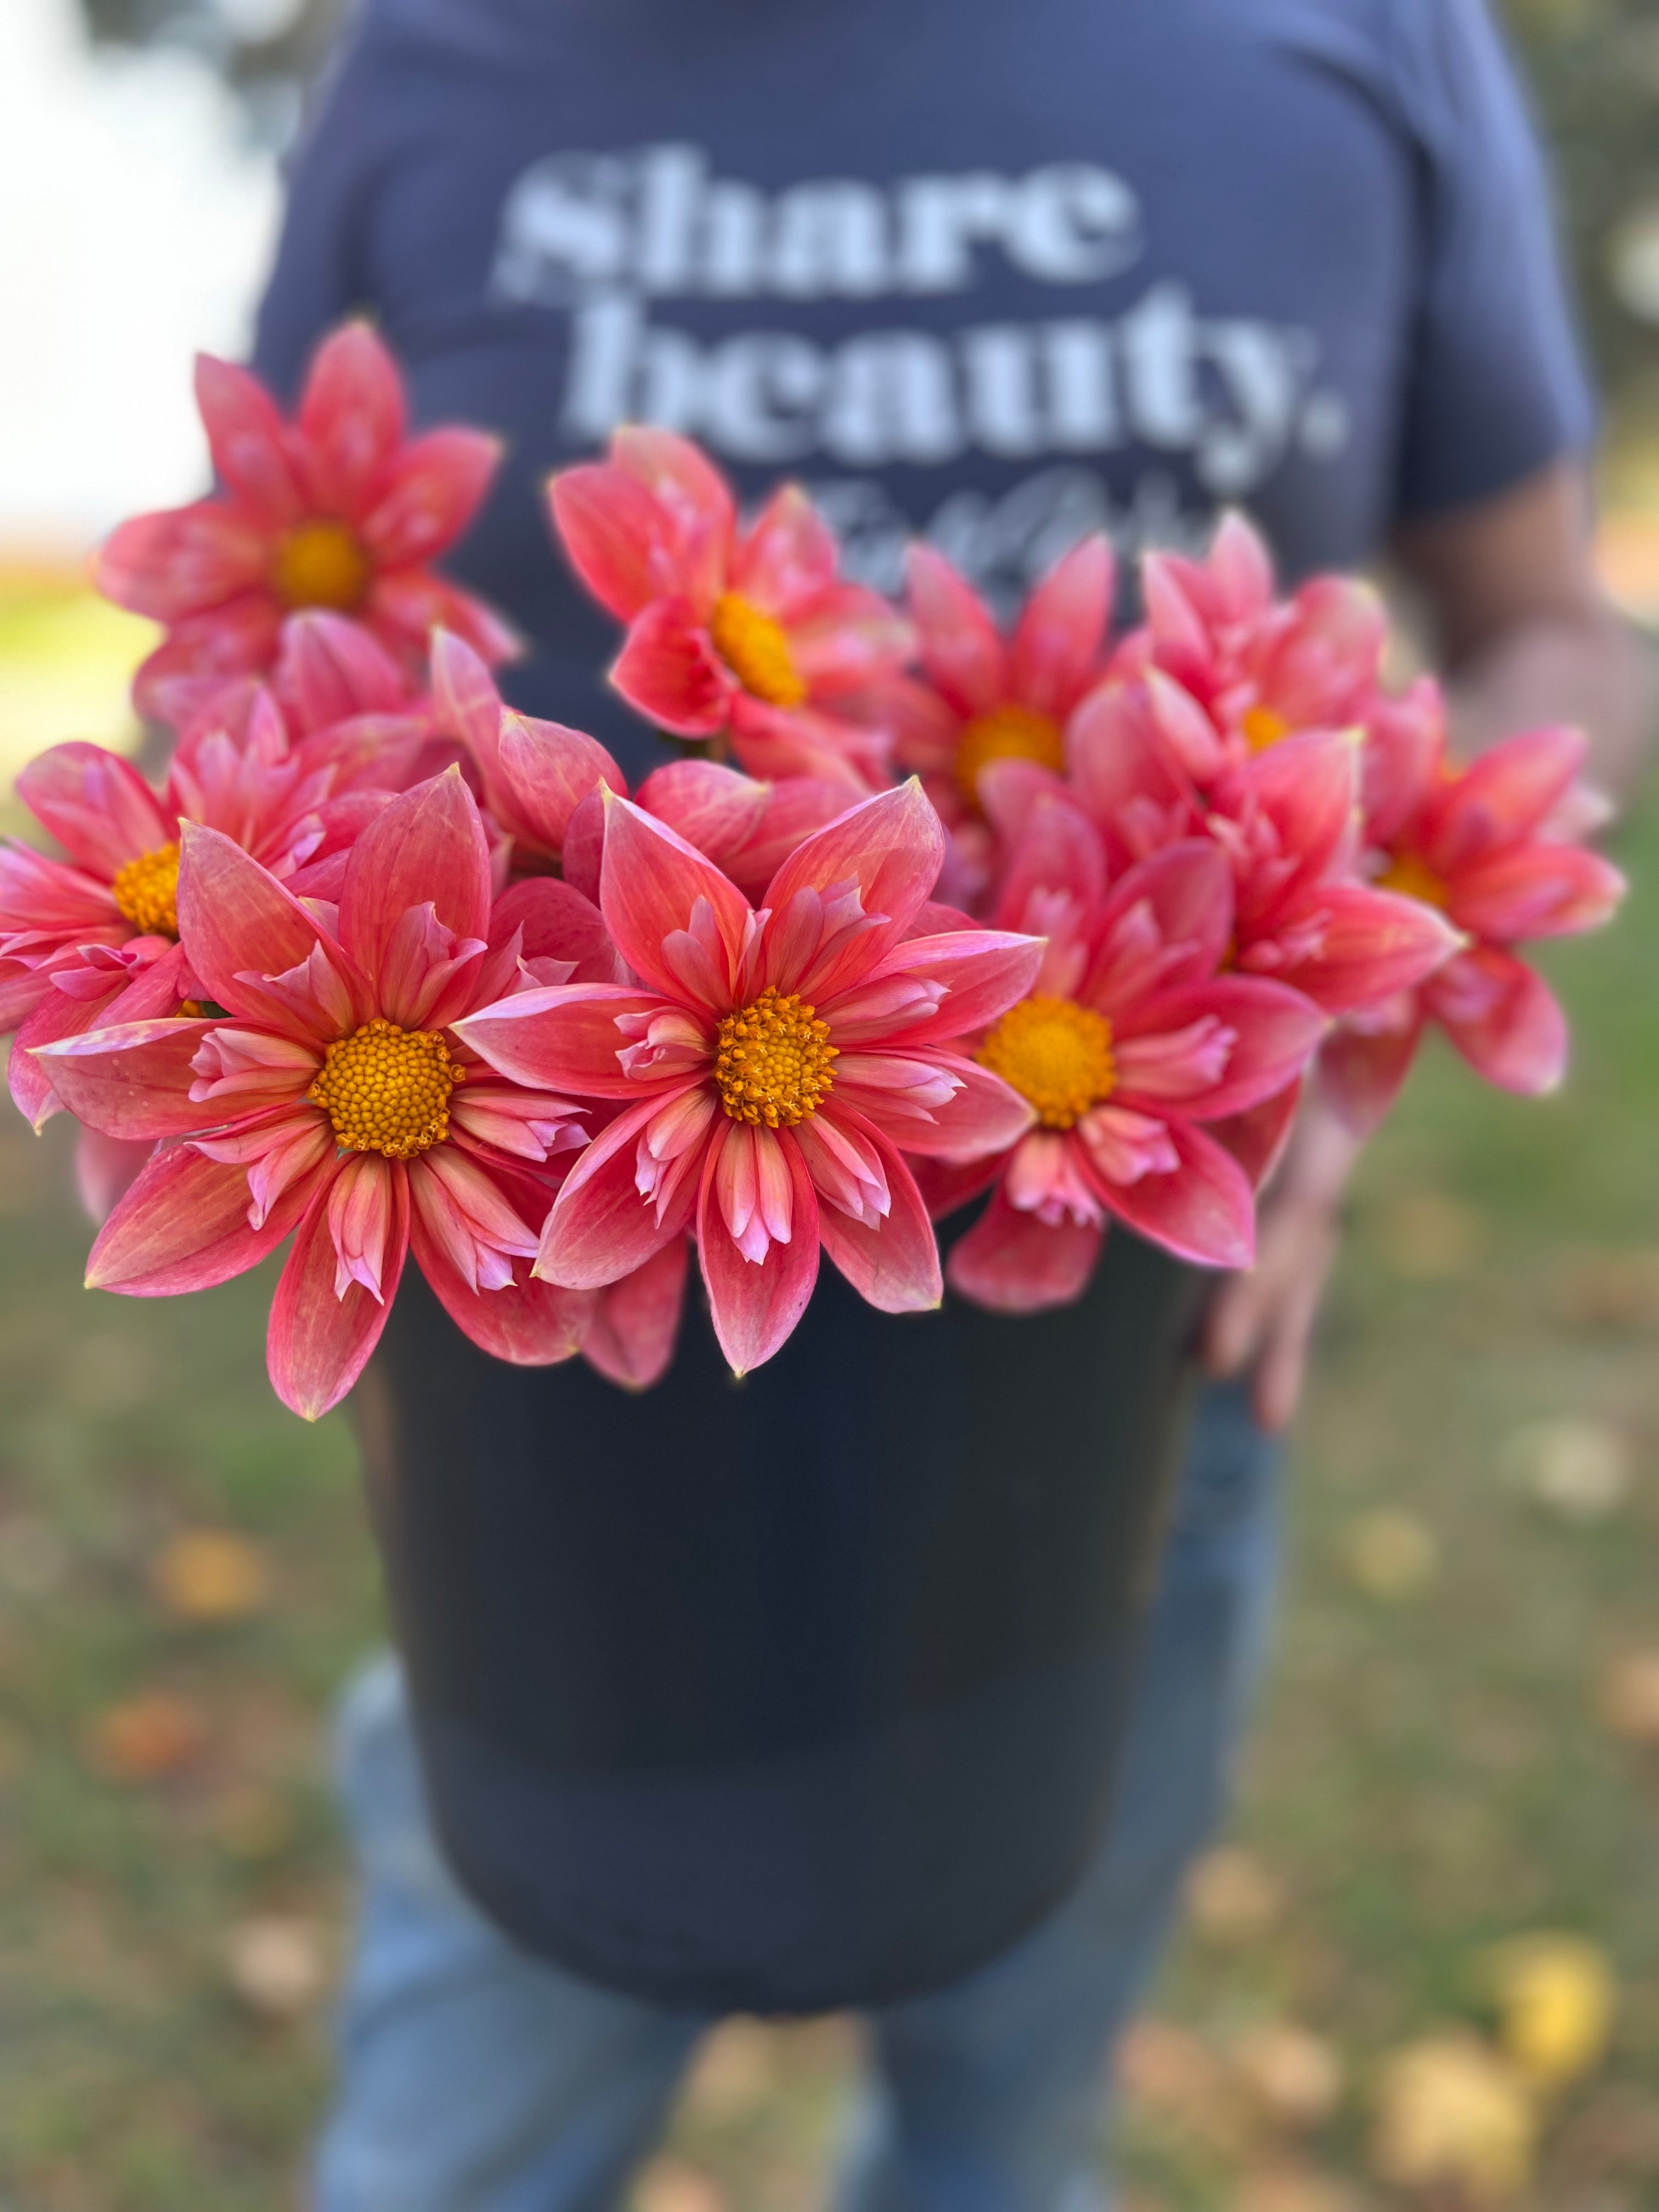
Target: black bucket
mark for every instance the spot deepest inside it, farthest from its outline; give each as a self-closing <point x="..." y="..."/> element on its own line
<point x="790" y="1693"/>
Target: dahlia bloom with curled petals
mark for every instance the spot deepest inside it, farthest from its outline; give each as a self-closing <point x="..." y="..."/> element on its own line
<point x="745" y="631"/>
<point x="1262" y="667"/>
<point x="94" y="937"/>
<point x="338" y="508"/>
<point x="329" y="1095"/>
<point x="987" y="697"/>
<point x="771" y="1066"/>
<point x="1130" y="1041"/>
<point x="1492" y="848"/>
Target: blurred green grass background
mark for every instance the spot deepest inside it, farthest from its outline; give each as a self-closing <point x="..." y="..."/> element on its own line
<point x="1460" y="1742"/>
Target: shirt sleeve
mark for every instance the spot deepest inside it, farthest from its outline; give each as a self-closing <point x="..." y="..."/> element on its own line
<point x="319" y="276"/>
<point x="1496" y="386"/>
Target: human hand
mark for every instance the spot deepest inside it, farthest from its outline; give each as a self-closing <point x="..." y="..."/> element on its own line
<point x="1263" y="1320"/>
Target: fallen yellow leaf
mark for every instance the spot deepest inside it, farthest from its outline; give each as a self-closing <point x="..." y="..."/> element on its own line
<point x="205" y="1577"/>
<point x="1390" y="1554"/>
<point x="1450" y="2112"/>
<point x="1294" y="2074"/>
<point x="276" y="1965"/>
<point x="1627" y="1697"/>
<point x="1555" y="2003"/>
<point x="1232" y="1896"/>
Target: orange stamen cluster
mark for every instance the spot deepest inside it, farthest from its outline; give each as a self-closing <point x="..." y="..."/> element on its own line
<point x="386" y="1089"/>
<point x="320" y="563"/>
<point x="147" y="891"/>
<point x="1262" y="728"/>
<point x="1411" y="873"/>
<point x="772" y="1062"/>
<point x="1009" y="732"/>
<point x="755" y="650"/>
<point x="1056" y="1053"/>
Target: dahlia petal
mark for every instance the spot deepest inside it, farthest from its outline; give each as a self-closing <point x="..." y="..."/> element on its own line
<point x="203" y="652"/>
<point x="635" y="1323"/>
<point x="788" y="559"/>
<point x="892" y="1264"/>
<point x="530" y="1125"/>
<point x="251" y="449"/>
<point x="360" y="1221"/>
<point x="1273" y="1033"/>
<point x="692" y="494"/>
<point x="133" y="1081"/>
<point x="1370" y="943"/>
<point x="1536" y="890"/>
<point x="847" y="1172"/>
<point x="982" y="1115"/>
<point x="890" y="848"/>
<point x="600" y="1228"/>
<point x="405" y="605"/>
<point x="428" y="845"/>
<point x="1257" y="1137"/>
<point x="669" y="671"/>
<point x="564" y="1038"/>
<point x="961" y="647"/>
<point x="1325" y="660"/>
<point x="1059" y="849"/>
<point x="650" y="884"/>
<point x="1125" y="773"/>
<point x="1047" y="1175"/>
<point x="548" y="770"/>
<point x="850" y="640"/>
<point x="1165" y="921"/>
<point x="1179" y="634"/>
<point x="332" y="669"/>
<point x="1119" y="1146"/>
<point x="711" y="807"/>
<point x="183" y="1225"/>
<point x="1013" y="1262"/>
<point x="236" y="921"/>
<point x="1503" y="1018"/>
<point x="529" y="1324"/>
<point x="777" y="743"/>
<point x="983" y="973"/>
<point x="1202" y="1210"/>
<point x="1241" y="568"/>
<point x="183" y="559"/>
<point x="1308" y="787"/>
<point x="617" y="537"/>
<point x="97" y="806"/>
<point x="106" y="1169"/>
<point x="553" y="921"/>
<point x="351" y="422"/>
<point x="755" y="1305"/>
<point x="946" y="1185"/>
<point x="1061" y="630"/>
<point x="437" y="484"/>
<point x="468" y="1212"/>
<point x="1404" y="743"/>
<point x="1504" y="794"/>
<point x="319" y="1342"/>
<point x="1362" y="1071"/>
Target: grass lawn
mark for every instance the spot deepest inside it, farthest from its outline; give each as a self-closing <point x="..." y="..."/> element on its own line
<point x="1460" y="1741"/>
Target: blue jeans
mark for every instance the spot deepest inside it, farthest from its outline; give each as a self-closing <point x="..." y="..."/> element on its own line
<point x="474" y="2078"/>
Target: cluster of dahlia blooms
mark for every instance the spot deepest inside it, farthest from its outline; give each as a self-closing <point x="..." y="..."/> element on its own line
<point x="926" y="913"/>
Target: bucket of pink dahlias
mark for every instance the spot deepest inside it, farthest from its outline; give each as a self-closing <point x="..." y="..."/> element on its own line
<point x="811" y="1152"/>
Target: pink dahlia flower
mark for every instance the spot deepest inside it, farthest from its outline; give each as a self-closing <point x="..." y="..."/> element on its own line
<point x="338" y="508"/>
<point x="749" y="632"/>
<point x="1129" y="1042"/>
<point x="1262" y="668"/>
<point x="1288" y="819"/>
<point x="94" y="937"/>
<point x="771" y="1067"/>
<point x="1488" y="847"/>
<point x="987" y="697"/>
<point x="329" y="1095"/>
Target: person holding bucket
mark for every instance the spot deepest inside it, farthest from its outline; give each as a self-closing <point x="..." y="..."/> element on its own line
<point x="906" y="1675"/>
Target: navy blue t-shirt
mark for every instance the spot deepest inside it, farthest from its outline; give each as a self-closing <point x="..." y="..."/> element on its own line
<point x="805" y="1691"/>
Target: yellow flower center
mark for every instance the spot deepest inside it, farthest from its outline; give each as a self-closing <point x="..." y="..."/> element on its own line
<point x="755" y="650"/>
<point x="386" y="1089"/>
<point x="773" y="1061"/>
<point x="1262" y="728"/>
<point x="1057" y="1054"/>
<point x="147" y="891"/>
<point x="321" y="564"/>
<point x="1410" y="873"/>
<point x="1008" y="732"/>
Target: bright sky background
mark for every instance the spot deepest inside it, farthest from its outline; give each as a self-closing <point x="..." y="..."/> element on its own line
<point x="138" y="226"/>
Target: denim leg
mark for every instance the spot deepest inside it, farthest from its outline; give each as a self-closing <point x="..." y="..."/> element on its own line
<point x="473" y="2078"/>
<point x="990" y="2093"/>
